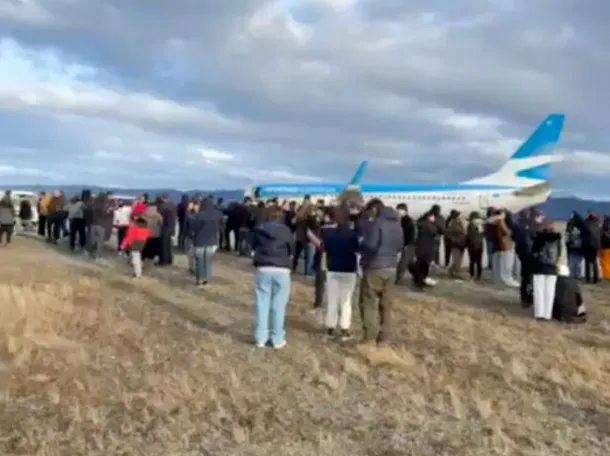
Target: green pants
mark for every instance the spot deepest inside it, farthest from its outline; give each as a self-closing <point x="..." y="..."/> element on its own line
<point x="376" y="301"/>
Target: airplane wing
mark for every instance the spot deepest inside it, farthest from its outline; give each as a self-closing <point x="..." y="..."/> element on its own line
<point x="534" y="189"/>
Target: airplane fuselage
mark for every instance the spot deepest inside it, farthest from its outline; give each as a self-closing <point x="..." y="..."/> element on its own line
<point x="419" y="198"/>
<point x="522" y="182"/>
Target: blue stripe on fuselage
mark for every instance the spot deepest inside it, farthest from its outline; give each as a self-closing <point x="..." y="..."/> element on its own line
<point x="269" y="191"/>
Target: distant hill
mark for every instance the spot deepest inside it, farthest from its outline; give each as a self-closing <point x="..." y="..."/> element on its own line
<point x="175" y="195"/>
<point x="557" y="208"/>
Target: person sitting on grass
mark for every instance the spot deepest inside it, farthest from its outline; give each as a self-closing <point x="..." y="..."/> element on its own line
<point x="568" y="306"/>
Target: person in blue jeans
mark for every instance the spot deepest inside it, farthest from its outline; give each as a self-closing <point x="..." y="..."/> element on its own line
<point x="204" y="228"/>
<point x="272" y="244"/>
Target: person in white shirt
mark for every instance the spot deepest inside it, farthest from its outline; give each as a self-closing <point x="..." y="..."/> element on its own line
<point x="122" y="217"/>
<point x="76" y="223"/>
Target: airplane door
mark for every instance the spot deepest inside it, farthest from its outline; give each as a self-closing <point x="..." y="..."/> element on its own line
<point x="483" y="201"/>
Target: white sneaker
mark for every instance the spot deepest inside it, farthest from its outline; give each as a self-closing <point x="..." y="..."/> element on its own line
<point x="280" y="346"/>
<point x="430" y="281"/>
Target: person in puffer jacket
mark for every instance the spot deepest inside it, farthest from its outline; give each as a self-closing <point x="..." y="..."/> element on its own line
<point x="455" y="237"/>
<point x="475" y="244"/>
<point x="380" y="245"/>
<point x="528" y="227"/>
<point x="590" y="234"/>
<point x="604" y="251"/>
<point x="546" y="252"/>
<point x="569" y="306"/>
<point x="135" y="240"/>
<point x="272" y="243"/>
<point x="7" y="217"/>
<point x="425" y="250"/>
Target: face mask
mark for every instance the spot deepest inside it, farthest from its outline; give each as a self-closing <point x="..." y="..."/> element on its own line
<point x="402" y="212"/>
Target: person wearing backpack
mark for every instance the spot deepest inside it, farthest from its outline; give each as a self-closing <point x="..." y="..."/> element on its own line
<point x="546" y="252"/>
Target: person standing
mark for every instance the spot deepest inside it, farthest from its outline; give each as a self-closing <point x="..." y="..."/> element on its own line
<point x="167" y="209"/>
<point x="121" y="221"/>
<point x="546" y="252"/>
<point x="341" y="250"/>
<point x="408" y="236"/>
<point x="272" y="243"/>
<point x="475" y="243"/>
<point x="205" y="231"/>
<point x="381" y="243"/>
<point x="7" y="217"/>
<point x="181" y="211"/>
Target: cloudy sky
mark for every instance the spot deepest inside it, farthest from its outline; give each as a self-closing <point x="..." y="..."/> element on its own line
<point x="218" y="94"/>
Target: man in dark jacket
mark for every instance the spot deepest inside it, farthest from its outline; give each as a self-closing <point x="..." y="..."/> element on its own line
<point x="100" y="211"/>
<point x="167" y="209"/>
<point x="425" y="249"/>
<point x="475" y="244"/>
<point x="447" y="241"/>
<point x="238" y="223"/>
<point x="574" y="248"/>
<point x="204" y="234"/>
<point x="455" y="236"/>
<point x="590" y="230"/>
<point x="441" y="224"/>
<point x="408" y="241"/>
<point x="381" y="243"/>
<point x="526" y="231"/>
<point x="181" y="215"/>
<point x="490" y="235"/>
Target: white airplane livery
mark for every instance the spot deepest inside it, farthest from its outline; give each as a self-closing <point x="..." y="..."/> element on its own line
<point x="522" y="182"/>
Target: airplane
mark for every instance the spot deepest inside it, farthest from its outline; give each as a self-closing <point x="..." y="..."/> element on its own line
<point x="522" y="182"/>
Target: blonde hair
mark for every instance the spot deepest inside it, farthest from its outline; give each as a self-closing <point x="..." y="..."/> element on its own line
<point x="306" y="210"/>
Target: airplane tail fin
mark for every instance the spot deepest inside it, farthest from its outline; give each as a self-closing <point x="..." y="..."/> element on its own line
<point x="351" y="192"/>
<point x="355" y="180"/>
<point x="530" y="165"/>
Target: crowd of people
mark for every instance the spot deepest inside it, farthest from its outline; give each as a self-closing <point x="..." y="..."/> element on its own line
<point x="343" y="245"/>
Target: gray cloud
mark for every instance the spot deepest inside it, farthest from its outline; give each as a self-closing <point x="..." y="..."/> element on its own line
<point x="381" y="79"/>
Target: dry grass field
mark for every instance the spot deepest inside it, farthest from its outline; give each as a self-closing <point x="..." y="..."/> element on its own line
<point x="93" y="363"/>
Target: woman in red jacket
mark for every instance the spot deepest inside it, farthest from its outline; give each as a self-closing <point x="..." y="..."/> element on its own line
<point x="135" y="240"/>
